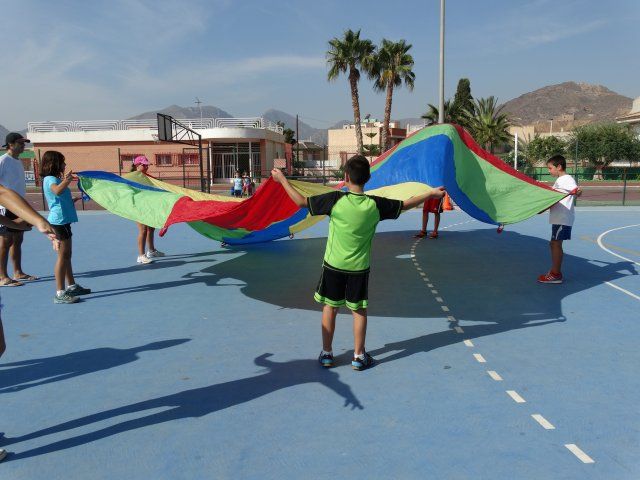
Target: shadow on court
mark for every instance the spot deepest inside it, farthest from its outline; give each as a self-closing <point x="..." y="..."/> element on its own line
<point x="18" y="376"/>
<point x="482" y="276"/>
<point x="195" y="403"/>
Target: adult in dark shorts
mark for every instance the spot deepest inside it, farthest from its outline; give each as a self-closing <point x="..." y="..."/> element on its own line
<point x="11" y="199"/>
<point x="345" y="271"/>
<point x="12" y="176"/>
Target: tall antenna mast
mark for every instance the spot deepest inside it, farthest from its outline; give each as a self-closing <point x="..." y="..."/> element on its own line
<point x="199" y="103"/>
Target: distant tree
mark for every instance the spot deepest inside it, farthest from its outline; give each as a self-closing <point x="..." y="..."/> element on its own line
<point x="601" y="144"/>
<point x="542" y="148"/>
<point x="457" y="110"/>
<point x="289" y="136"/>
<point x="348" y="55"/>
<point x="391" y="67"/>
<point x="463" y="101"/>
<point x="451" y="113"/>
<point x="487" y="124"/>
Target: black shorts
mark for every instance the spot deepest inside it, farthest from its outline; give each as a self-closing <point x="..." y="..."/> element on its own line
<point x="340" y="287"/>
<point x="63" y="232"/>
<point x="11" y="216"/>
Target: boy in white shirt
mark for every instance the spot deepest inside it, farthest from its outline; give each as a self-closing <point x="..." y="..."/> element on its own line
<point x="561" y="216"/>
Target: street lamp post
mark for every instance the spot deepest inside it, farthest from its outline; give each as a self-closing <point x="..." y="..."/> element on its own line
<point x="441" y="100"/>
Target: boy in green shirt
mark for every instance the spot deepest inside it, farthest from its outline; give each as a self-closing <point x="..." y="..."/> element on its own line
<point x="345" y="270"/>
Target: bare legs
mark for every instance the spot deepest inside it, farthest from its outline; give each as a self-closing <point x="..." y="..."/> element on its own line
<point x="359" y="330"/>
<point x="150" y="235"/>
<point x="6" y="241"/>
<point x="425" y="221"/>
<point x="145" y="239"/>
<point x="436" y="223"/>
<point x="15" y="252"/>
<point x="329" y="326"/>
<point x="63" y="270"/>
<point x="3" y="346"/>
<point x="556" y="256"/>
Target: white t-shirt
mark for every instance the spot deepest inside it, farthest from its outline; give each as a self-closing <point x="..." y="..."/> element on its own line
<point x="563" y="213"/>
<point x="12" y="174"/>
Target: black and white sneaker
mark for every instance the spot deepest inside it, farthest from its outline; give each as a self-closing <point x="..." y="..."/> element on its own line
<point x="362" y="363"/>
<point x="326" y="360"/>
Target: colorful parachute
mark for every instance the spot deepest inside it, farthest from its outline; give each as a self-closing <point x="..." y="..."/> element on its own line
<point x="480" y="184"/>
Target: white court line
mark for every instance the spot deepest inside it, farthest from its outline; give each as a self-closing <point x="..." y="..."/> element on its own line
<point x="601" y="245"/>
<point x="584" y="458"/>
<point x="444" y="308"/>
<point x="623" y="290"/>
<point x="458" y="329"/>
<point x="468" y="343"/>
<point x="479" y="358"/>
<point x="601" y="236"/>
<point x="543" y="421"/>
<point x="493" y="374"/>
<point x="516" y="398"/>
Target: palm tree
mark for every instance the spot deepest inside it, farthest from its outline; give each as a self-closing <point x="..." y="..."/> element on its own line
<point x="349" y="54"/>
<point x="451" y="113"/>
<point x="488" y="126"/>
<point x="391" y="67"/>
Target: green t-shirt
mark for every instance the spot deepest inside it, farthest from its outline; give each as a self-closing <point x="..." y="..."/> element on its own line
<point x="353" y="221"/>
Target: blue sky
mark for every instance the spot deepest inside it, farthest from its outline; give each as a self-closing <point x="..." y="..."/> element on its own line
<point x="72" y="60"/>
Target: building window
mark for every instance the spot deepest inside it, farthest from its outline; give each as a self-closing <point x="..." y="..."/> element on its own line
<point x="188" y="159"/>
<point x="164" y="160"/>
<point x="128" y="157"/>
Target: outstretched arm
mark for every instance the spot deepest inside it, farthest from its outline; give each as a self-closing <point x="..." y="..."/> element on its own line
<point x="297" y="198"/>
<point x="418" y="199"/>
<point x="22" y="209"/>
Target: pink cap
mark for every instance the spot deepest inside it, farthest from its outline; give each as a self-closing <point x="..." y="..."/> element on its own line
<point x="141" y="160"/>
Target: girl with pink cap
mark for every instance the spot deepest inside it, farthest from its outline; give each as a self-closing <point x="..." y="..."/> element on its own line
<point x="145" y="233"/>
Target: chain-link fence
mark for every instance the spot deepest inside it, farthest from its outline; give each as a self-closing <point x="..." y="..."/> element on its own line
<point x="612" y="186"/>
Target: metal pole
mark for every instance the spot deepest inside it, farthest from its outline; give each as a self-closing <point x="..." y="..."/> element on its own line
<point x="441" y="102"/>
<point x="44" y="204"/>
<point x="298" y="144"/>
<point x="209" y="172"/>
<point x="184" y="169"/>
<point x="575" y="164"/>
<point x="515" y="162"/>
<point x="202" y="180"/>
<point x="119" y="163"/>
<point x="624" y="186"/>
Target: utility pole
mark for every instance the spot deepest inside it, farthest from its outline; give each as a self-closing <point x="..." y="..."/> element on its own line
<point x="199" y="103"/>
<point x="515" y="162"/>
<point x="441" y="102"/>
<point x="298" y="143"/>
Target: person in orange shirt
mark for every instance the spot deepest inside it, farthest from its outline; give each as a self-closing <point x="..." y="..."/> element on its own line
<point x="435" y="206"/>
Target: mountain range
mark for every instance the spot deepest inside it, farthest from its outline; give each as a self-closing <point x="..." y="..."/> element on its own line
<point x="569" y="104"/>
<point x="584" y="102"/>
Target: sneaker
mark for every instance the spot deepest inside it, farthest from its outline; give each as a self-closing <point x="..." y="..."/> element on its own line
<point x="65" y="298"/>
<point x="362" y="363"/>
<point x="144" y="259"/>
<point x="154" y="254"/>
<point x="326" y="360"/>
<point x="3" y="454"/>
<point x="76" y="290"/>
<point x="550" y="277"/>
